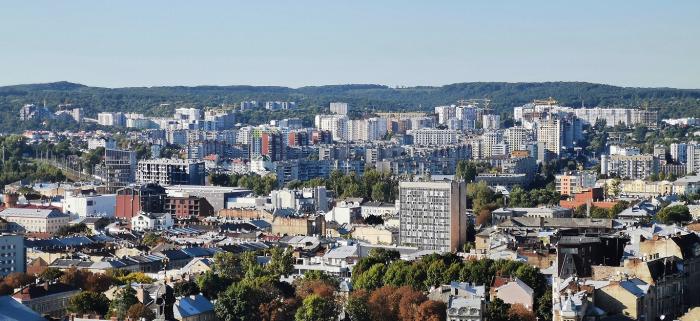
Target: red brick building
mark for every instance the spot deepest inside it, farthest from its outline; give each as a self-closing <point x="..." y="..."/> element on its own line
<point x="187" y="207"/>
<point x="149" y="198"/>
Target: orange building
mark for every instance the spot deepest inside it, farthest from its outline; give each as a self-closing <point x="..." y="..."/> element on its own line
<point x="596" y="196"/>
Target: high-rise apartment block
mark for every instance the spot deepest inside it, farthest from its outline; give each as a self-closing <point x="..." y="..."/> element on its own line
<point x="166" y="171"/>
<point x="339" y="108"/>
<point x="433" y="215"/>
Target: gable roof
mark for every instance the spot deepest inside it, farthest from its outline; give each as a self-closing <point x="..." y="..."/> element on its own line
<point x="192" y="305"/>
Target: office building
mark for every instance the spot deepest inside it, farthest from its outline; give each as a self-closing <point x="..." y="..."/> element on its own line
<point x="432" y="215"/>
<point x="166" y="171"/>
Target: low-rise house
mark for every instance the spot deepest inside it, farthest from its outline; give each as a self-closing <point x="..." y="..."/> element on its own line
<point x="194" y="308"/>
<point x="152" y="222"/>
<point x="630" y="297"/>
<point x="513" y="291"/>
<point x="375" y="234"/>
<point x="463" y="309"/>
<point x="47" y="298"/>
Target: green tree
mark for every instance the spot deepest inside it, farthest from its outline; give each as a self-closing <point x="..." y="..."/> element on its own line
<point x="372" y="279"/>
<point x="357" y="306"/>
<point x="185" y="288"/>
<point x="211" y="284"/>
<point x="89" y="302"/>
<point x="281" y="262"/>
<point x="497" y="310"/>
<point x="675" y="214"/>
<point x="240" y="302"/>
<point x="544" y="305"/>
<point x="316" y="308"/>
<point x="228" y="265"/>
<point x="50" y="274"/>
<point x="124" y="298"/>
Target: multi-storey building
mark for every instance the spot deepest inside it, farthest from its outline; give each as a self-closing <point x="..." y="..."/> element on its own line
<point x="166" y="171"/>
<point x="32" y="219"/>
<point x="116" y="119"/>
<point x="433" y="137"/>
<point x="12" y="254"/>
<point x="339" y="108"/>
<point x="433" y="215"/>
<point x="188" y="207"/>
<point x="148" y="198"/>
<point x="678" y="152"/>
<point x="549" y="132"/>
<point x="336" y="124"/>
<point x="491" y="140"/>
<point x="445" y="113"/>
<point x="629" y="167"/>
<point x="516" y="137"/>
<point x="574" y="182"/>
<point x="119" y="167"/>
<point x="491" y="122"/>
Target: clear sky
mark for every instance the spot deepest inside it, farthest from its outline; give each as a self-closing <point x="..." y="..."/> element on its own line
<point x="298" y="43"/>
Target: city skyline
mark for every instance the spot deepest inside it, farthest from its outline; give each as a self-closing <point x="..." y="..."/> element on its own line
<point x="153" y="44"/>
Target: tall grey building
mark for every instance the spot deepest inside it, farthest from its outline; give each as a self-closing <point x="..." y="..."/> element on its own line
<point x="119" y="167"/>
<point x="12" y="254"/>
<point x="433" y="215"/>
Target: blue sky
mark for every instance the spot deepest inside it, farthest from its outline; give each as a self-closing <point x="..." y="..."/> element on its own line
<point x="298" y="43"/>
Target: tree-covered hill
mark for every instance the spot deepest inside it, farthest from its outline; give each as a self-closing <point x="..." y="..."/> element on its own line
<point x="162" y="100"/>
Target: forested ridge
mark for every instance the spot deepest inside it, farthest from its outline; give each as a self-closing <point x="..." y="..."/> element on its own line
<point x="160" y="101"/>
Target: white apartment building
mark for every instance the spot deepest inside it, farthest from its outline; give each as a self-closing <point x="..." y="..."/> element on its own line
<point x="490" y="140"/>
<point x="111" y="119"/>
<point x="467" y="116"/>
<point x="433" y="137"/>
<point x="629" y="167"/>
<point x="491" y="122"/>
<point x="339" y="108"/>
<point x="445" y="113"/>
<point x="188" y="114"/>
<point x="678" y="152"/>
<point x="47" y="220"/>
<point x="366" y="130"/>
<point x="516" y="138"/>
<point x="432" y="215"/>
<point x="94" y="143"/>
<point x="549" y="132"/>
<point x="336" y="124"/>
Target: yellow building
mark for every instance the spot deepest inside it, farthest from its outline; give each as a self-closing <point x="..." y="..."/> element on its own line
<point x="374" y="235"/>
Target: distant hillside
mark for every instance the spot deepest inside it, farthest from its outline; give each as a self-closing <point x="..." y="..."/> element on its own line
<point x="670" y="102"/>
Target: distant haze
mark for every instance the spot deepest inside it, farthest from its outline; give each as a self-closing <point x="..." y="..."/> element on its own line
<point x="299" y="43"/>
